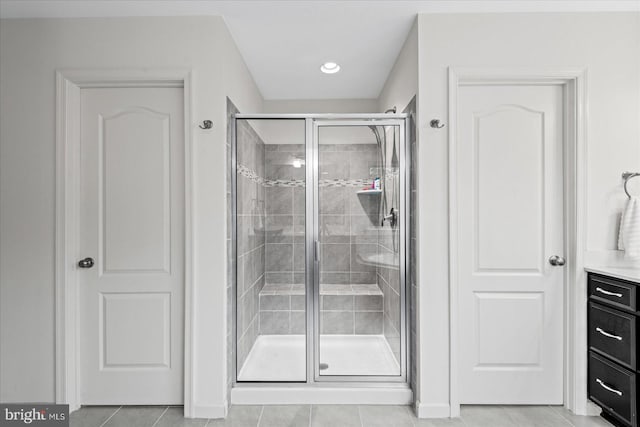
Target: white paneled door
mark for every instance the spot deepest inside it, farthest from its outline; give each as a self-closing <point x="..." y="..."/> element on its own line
<point x="510" y="224"/>
<point x="131" y="261"/>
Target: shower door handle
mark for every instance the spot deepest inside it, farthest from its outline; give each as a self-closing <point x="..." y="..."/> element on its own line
<point x="316" y="250"/>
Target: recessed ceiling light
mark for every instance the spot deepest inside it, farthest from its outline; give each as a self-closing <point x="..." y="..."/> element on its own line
<point x="330" y="68"/>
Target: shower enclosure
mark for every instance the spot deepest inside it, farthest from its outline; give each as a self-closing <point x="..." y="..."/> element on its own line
<point x="319" y="216"/>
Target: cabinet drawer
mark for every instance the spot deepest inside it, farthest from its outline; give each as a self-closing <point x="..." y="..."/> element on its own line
<point x="613" y="388"/>
<point x="613" y="333"/>
<point x="612" y="291"/>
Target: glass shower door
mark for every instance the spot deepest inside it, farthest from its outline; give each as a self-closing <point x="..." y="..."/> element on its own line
<point x="359" y="286"/>
<point x="319" y="244"/>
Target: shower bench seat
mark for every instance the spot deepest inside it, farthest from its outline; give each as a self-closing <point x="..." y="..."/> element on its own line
<point x="344" y="309"/>
<point x="325" y="289"/>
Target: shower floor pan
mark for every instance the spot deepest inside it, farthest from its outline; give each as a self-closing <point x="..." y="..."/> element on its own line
<point x="276" y="358"/>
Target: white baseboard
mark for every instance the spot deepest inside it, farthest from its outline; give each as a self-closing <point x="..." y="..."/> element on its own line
<point x="432" y="410"/>
<point x="583" y="407"/>
<point x="216" y="411"/>
<point x="593" y="410"/>
<point x="321" y="395"/>
<point x="73" y="407"/>
<point x="589" y="409"/>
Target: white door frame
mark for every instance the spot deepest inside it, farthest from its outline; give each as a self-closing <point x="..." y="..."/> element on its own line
<point x="573" y="82"/>
<point x="68" y="86"/>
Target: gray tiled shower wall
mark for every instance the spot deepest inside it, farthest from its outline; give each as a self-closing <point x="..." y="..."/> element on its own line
<point x="389" y="283"/>
<point x="285" y="238"/>
<point x="285" y="210"/>
<point x="388" y="242"/>
<point x="250" y="239"/>
<point x="347" y="221"/>
<point x="347" y="232"/>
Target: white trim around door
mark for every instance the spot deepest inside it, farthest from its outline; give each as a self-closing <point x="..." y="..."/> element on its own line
<point x="573" y="82"/>
<point x="68" y="85"/>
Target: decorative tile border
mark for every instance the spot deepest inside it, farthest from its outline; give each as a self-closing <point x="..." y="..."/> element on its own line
<point x="250" y="174"/>
<point x="291" y="183"/>
<point x="337" y="183"/>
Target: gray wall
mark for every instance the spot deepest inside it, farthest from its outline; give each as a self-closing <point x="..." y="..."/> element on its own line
<point x="31" y="50"/>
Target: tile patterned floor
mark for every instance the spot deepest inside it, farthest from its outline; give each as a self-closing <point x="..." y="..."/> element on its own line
<point x="332" y="416"/>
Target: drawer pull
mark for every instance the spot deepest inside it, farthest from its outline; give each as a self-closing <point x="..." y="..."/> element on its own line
<point x="613" y="294"/>
<point x="606" y="387"/>
<point x="606" y="334"/>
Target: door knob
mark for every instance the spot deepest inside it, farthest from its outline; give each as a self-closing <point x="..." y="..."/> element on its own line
<point x="86" y="263"/>
<point x="557" y="261"/>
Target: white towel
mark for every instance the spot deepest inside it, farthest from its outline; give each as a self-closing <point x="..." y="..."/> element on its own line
<point x="629" y="237"/>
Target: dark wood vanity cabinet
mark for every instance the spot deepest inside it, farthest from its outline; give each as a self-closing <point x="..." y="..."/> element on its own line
<point x="612" y="342"/>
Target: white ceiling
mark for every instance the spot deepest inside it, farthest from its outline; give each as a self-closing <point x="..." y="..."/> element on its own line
<point x="285" y="42"/>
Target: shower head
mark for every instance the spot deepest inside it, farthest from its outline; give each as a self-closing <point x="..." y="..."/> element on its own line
<point x="374" y="129"/>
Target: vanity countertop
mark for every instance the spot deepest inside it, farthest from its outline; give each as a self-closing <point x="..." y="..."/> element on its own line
<point x="625" y="273"/>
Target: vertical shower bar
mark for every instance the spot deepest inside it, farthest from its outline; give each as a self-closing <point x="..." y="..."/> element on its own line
<point x="404" y="244"/>
<point x="310" y="267"/>
<point x="234" y="246"/>
<point x="315" y="148"/>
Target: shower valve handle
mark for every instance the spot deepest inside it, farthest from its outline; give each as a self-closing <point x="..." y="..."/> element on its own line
<point x="392" y="217"/>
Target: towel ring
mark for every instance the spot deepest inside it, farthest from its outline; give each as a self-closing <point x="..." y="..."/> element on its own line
<point x="627" y="177"/>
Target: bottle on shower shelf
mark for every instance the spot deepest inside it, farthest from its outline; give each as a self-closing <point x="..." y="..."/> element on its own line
<point x="376" y="183"/>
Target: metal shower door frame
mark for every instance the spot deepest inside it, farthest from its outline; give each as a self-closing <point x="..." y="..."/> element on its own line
<point x="401" y="123"/>
<point x="312" y="272"/>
